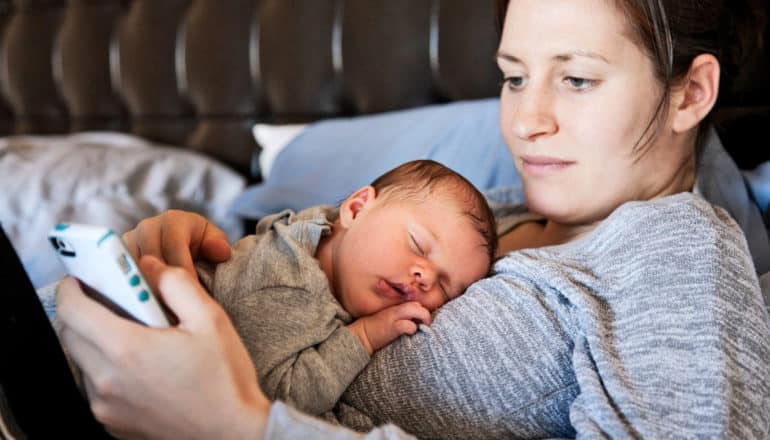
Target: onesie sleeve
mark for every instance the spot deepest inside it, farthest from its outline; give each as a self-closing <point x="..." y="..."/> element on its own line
<point x="303" y="351"/>
<point x="279" y="301"/>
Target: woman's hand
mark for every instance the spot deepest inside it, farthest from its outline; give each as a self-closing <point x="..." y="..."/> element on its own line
<point x="380" y="329"/>
<point x="195" y="380"/>
<point x="178" y="238"/>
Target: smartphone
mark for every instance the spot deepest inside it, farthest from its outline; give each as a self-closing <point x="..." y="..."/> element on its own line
<point x="97" y="257"/>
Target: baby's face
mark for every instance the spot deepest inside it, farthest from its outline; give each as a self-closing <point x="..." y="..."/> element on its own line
<point x="395" y="252"/>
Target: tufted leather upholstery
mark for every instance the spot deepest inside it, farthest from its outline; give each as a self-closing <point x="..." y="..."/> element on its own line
<point x="143" y="70"/>
<point x="199" y="73"/>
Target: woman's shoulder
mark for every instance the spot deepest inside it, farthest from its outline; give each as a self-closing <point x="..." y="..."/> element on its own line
<point x="683" y="216"/>
<point x="679" y="240"/>
<point x="682" y="229"/>
<point x="669" y="244"/>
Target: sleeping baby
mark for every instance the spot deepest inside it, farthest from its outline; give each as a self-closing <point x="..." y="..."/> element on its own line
<point x="314" y="294"/>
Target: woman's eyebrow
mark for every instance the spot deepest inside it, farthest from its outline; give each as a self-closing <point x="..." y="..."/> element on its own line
<point x="568" y="56"/>
<point x="507" y="57"/>
<point x="562" y="57"/>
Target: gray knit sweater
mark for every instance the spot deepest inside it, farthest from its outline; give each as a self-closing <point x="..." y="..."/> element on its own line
<point x="651" y="326"/>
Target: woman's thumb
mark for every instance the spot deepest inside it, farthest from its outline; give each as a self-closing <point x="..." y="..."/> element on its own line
<point x="178" y="290"/>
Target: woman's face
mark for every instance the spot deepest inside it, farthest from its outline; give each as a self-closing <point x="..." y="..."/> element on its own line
<point x="577" y="97"/>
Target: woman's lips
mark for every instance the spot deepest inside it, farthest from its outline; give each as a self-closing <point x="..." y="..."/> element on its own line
<point x="543" y="165"/>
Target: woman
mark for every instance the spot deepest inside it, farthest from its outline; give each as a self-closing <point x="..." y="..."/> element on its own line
<point x="631" y="310"/>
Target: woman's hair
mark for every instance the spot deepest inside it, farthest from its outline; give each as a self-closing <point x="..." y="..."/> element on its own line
<point x="418" y="179"/>
<point x="673" y="32"/>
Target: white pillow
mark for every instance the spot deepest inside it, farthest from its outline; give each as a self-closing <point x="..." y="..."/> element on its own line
<point x="110" y="179"/>
<point x="273" y="139"/>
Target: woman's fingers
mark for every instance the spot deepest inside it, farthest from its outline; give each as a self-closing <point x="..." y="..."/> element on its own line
<point x="145" y="238"/>
<point x="186" y="237"/>
<point x="84" y="316"/>
<point x="181" y="235"/>
<point x="215" y="245"/>
<point x="181" y="293"/>
<point x="129" y="239"/>
<point x="178" y="238"/>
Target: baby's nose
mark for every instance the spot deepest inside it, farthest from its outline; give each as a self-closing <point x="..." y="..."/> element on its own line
<point x="424" y="277"/>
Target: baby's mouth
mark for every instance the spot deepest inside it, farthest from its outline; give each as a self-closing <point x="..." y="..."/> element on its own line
<point x="404" y="290"/>
<point x="393" y="290"/>
<point x="398" y="288"/>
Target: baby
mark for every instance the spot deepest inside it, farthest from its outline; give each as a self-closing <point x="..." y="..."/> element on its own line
<point x="314" y="294"/>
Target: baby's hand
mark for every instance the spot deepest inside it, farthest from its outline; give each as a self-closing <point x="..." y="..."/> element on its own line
<point x="380" y="329"/>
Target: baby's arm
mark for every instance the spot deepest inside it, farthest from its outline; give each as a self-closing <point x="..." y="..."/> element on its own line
<point x="380" y="329"/>
<point x="305" y="355"/>
<point x="303" y="352"/>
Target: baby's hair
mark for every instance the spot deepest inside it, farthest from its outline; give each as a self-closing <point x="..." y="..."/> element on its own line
<point x="418" y="178"/>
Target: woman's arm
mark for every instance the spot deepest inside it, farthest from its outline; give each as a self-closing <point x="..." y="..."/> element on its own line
<point x="651" y="327"/>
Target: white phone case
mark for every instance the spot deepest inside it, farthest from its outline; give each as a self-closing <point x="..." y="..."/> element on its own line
<point x="97" y="257"/>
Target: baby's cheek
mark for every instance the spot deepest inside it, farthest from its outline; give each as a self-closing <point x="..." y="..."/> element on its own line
<point x="435" y="303"/>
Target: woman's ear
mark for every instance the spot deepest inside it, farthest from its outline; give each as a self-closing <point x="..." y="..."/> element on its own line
<point x="355" y="203"/>
<point x="698" y="94"/>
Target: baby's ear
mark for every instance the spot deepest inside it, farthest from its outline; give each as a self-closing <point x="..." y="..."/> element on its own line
<point x="355" y="203"/>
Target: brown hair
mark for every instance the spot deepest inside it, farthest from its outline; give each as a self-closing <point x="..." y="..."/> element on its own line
<point x="673" y="32"/>
<point x="419" y="178"/>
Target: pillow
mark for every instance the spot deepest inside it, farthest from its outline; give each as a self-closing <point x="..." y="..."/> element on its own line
<point x="110" y="179"/>
<point x="330" y="159"/>
<point x="273" y="139"/>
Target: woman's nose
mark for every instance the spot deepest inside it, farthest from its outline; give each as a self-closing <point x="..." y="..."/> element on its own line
<point x="532" y="116"/>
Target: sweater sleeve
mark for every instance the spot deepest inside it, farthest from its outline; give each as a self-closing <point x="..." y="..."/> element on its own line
<point x="676" y="343"/>
<point x="651" y="326"/>
<point x="286" y="422"/>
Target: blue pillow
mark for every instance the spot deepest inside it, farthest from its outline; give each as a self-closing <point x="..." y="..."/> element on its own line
<point x="332" y="158"/>
<point x="758" y="181"/>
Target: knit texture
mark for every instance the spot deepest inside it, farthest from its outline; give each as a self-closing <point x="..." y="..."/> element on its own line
<point x="280" y="302"/>
<point x="650" y="326"/>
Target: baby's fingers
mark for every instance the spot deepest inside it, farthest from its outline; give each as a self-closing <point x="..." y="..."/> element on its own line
<point x="405" y="327"/>
<point x="413" y="311"/>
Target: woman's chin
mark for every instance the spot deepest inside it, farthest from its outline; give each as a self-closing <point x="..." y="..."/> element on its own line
<point x="556" y="207"/>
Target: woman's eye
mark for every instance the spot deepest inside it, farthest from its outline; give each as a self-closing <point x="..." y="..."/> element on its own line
<point x="514" y="82"/>
<point x="579" y="83"/>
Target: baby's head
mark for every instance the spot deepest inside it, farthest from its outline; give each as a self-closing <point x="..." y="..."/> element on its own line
<point x="420" y="232"/>
<point x="420" y="180"/>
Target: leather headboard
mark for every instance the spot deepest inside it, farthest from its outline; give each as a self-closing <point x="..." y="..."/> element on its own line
<point x="200" y="73"/>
